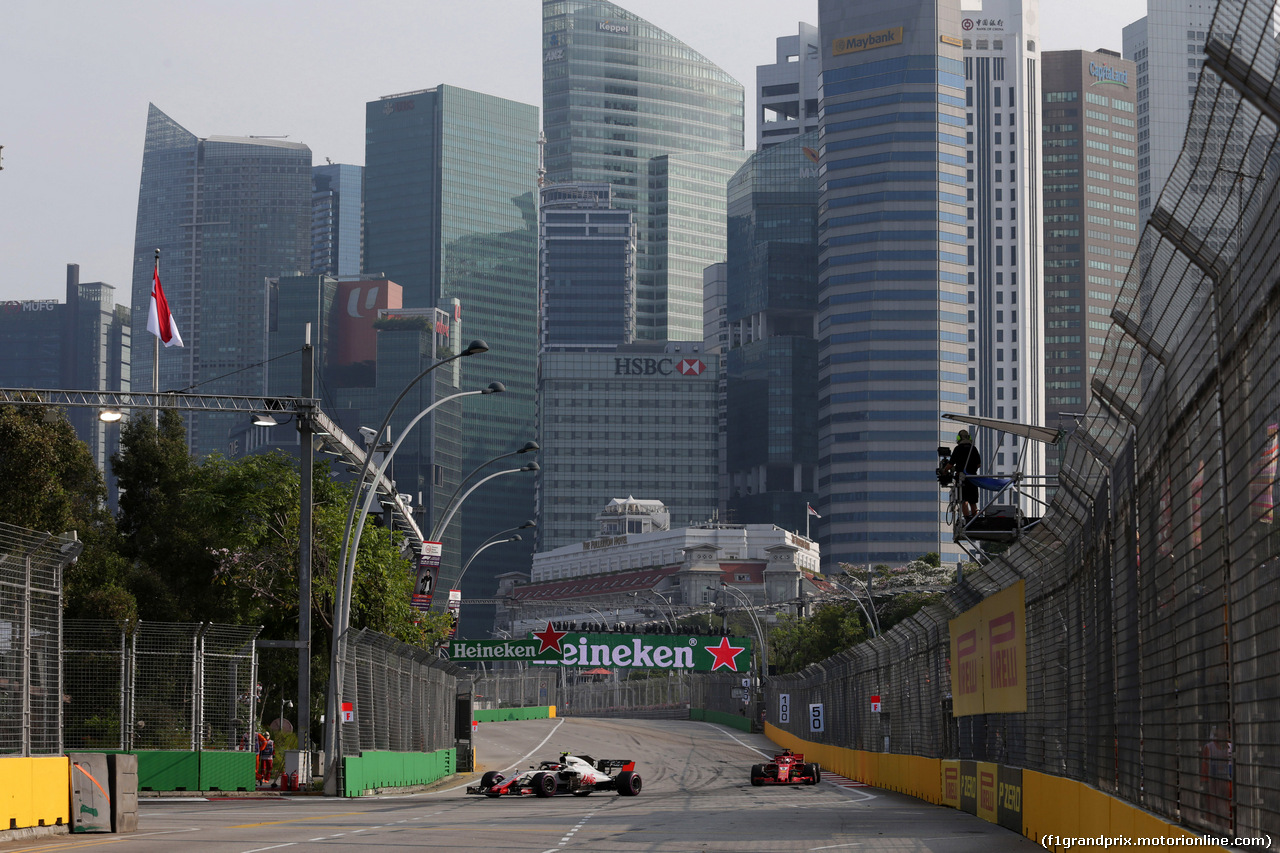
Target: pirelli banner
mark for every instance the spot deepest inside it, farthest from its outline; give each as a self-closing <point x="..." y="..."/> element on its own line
<point x="989" y="655"/>
<point x="550" y="647"/>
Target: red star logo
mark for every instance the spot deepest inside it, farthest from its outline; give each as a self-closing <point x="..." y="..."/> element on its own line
<point x="725" y="654"/>
<point x="691" y="367"/>
<point x="550" y="638"/>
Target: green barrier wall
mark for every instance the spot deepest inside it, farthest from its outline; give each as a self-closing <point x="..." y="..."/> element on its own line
<point x="370" y="771"/>
<point x="169" y="771"/>
<point x="227" y="771"/>
<point x="736" y="721"/>
<point x="506" y="715"/>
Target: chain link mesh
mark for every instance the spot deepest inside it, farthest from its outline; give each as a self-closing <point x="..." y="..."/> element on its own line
<point x="31" y="565"/>
<point x="161" y="685"/>
<point x="403" y="697"/>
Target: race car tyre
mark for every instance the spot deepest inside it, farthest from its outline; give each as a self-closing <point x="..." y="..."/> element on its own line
<point x="628" y="783"/>
<point x="757" y="774"/>
<point x="814" y="772"/>
<point x="544" y="784"/>
<point x="488" y="780"/>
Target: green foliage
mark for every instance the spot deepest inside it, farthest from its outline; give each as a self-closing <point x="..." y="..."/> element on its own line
<point x="795" y="642"/>
<point x="50" y="480"/>
<point x="898" y="592"/>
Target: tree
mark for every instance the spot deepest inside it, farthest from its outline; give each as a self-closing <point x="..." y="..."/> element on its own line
<point x="797" y="641"/>
<point x="50" y="480"/>
<point x="53" y="485"/>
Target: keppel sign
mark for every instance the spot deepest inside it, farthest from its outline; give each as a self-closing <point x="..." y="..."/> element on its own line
<point x="646" y="651"/>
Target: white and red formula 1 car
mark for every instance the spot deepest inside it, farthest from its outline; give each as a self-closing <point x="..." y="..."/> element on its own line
<point x="579" y="775"/>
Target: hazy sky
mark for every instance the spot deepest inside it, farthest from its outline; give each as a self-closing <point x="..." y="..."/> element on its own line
<point x="76" y="77"/>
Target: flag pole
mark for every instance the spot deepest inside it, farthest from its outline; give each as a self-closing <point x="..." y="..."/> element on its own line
<point x="155" y="351"/>
<point x="806" y="520"/>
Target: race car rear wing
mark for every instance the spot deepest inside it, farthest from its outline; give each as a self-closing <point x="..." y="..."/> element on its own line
<point x="615" y="765"/>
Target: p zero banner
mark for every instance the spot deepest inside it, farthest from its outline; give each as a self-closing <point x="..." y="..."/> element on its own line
<point x="989" y="655"/>
<point x="646" y="651"/>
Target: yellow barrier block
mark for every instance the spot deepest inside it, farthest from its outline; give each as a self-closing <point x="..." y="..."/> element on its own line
<point x="50" y="790"/>
<point x="1094" y="812"/>
<point x="1122" y="817"/>
<point x="551" y="712"/>
<point x="15" y="793"/>
<point x="34" y="792"/>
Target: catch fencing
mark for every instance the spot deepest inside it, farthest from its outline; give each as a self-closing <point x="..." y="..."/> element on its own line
<point x="523" y="688"/>
<point x="159" y="685"/>
<point x="31" y="565"/>
<point x="647" y="698"/>
<point x="1151" y="587"/>
<point x="403" y="697"/>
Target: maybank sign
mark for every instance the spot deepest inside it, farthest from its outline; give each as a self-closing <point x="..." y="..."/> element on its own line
<point x="866" y="41"/>
<point x="562" y="648"/>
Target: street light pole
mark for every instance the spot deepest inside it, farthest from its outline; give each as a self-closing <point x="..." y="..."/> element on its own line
<point x="341" y="602"/>
<point x="349" y="572"/>
<point x="515" y="537"/>
<point x="450" y="506"/>
<point x="755" y="623"/>
<point x="453" y="510"/>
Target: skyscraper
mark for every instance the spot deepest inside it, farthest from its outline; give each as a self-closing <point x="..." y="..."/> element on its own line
<point x="82" y="345"/>
<point x="226" y="213"/>
<point x="787" y="91"/>
<point x="639" y="420"/>
<point x="587" y="268"/>
<point x="619" y="95"/>
<point x="1090" y="217"/>
<point x="1167" y="47"/>
<point x="337" y="219"/>
<point x="1005" y="294"/>
<point x="772" y="371"/>
<point x="892" y="284"/>
<point x="451" y="213"/>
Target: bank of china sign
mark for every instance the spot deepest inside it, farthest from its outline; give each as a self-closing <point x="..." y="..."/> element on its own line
<point x="647" y="651"/>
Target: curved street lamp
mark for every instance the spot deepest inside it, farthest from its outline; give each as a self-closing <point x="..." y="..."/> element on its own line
<point x="341" y="603"/>
<point x="515" y="537"/>
<point x="438" y="530"/>
<point x="453" y="510"/>
<point x="755" y="623"/>
<point x="349" y="571"/>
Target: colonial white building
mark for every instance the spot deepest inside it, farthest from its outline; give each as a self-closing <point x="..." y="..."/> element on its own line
<point x="638" y="569"/>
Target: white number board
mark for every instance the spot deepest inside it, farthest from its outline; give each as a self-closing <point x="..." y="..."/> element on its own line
<point x="784" y="708"/>
<point x="816" y="722"/>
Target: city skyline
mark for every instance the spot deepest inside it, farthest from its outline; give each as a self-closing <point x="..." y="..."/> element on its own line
<point x="73" y="132"/>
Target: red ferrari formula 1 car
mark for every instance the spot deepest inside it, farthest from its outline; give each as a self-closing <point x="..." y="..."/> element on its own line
<point x="579" y="775"/>
<point x="787" y="768"/>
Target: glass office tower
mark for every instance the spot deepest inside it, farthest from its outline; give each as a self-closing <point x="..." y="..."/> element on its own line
<point x="772" y="300"/>
<point x="587" y="268"/>
<point x="450" y="191"/>
<point x="226" y="213"/>
<point x="892" y="275"/>
<point x="1090" y="219"/>
<point x="619" y="92"/>
<point x="337" y="219"/>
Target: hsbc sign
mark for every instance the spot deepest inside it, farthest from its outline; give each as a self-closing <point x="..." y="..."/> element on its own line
<point x="658" y="366"/>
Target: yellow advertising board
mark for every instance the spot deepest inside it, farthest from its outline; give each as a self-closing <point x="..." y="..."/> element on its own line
<point x="989" y="655"/>
<point x="866" y="41"/>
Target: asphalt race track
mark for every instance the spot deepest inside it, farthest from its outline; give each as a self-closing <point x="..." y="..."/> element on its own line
<point x="697" y="798"/>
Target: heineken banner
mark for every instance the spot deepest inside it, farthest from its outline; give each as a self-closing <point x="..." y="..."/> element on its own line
<point x="645" y="651"/>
